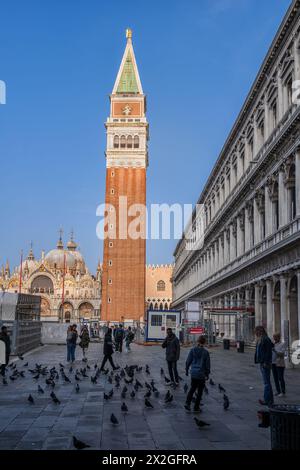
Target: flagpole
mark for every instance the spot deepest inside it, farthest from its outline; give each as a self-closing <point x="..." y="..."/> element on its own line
<point x="20" y="278"/>
<point x="63" y="288"/>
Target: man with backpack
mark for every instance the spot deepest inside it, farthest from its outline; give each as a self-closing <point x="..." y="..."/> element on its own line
<point x="199" y="361"/>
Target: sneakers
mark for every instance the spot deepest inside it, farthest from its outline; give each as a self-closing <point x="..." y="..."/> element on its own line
<point x="197" y="410"/>
<point x="187" y="407"/>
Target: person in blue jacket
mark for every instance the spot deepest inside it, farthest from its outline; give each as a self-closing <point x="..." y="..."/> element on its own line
<point x="263" y="357"/>
<point x="199" y="361"/>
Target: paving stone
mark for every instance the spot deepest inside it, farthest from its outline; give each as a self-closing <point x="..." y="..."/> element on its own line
<point x="87" y="415"/>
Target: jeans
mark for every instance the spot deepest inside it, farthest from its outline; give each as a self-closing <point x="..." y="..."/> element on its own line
<point x="71" y="352"/>
<point x="278" y="376"/>
<point x="105" y="359"/>
<point x="196" y="384"/>
<point x="3" y="366"/>
<point x="119" y="345"/>
<point x="268" y="392"/>
<point x="172" y="366"/>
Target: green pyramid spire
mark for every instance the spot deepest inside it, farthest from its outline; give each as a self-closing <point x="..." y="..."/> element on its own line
<point x="128" y="83"/>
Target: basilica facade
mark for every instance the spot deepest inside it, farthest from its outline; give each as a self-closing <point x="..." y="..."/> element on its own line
<point x="69" y="293"/>
<point x="243" y="248"/>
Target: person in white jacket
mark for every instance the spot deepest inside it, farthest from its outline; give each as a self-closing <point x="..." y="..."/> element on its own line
<point x="278" y="364"/>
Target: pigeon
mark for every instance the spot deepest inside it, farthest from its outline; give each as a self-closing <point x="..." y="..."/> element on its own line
<point x="132" y="394"/>
<point x="67" y="379"/>
<point x="185" y="388"/>
<point x="148" y="404"/>
<point x="4" y="381"/>
<point x="124" y="408"/>
<point x="79" y="445"/>
<point x="221" y="389"/>
<point x="12" y="378"/>
<point x="167" y="380"/>
<point x="113" y="419"/>
<point x="111" y="393"/>
<point x="36" y="376"/>
<point x="94" y="380"/>
<point x="95" y="366"/>
<point x="77" y="378"/>
<point x="147" y="371"/>
<point x="162" y="371"/>
<point x="128" y="381"/>
<point x="40" y="390"/>
<point x="87" y="366"/>
<point x="169" y="399"/>
<point x="148" y="386"/>
<point x="167" y="395"/>
<point x="225" y="402"/>
<point x="71" y="369"/>
<point x="148" y="394"/>
<point x="123" y="395"/>
<point x="54" y="398"/>
<point x="136" y="387"/>
<point x="25" y="365"/>
<point x="30" y="399"/>
<point x="106" y="397"/>
<point x="61" y="366"/>
<point x="138" y="383"/>
<point x="200" y="423"/>
<point x="77" y="388"/>
<point x="22" y="374"/>
<point x="21" y="357"/>
<point x="211" y="382"/>
<point x="110" y="380"/>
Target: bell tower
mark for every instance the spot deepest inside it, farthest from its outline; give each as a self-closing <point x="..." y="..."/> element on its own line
<point x="124" y="257"/>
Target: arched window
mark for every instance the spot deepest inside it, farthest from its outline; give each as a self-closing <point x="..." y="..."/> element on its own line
<point x="151" y="306"/>
<point x="116" y="142"/>
<point x="136" y="142"/>
<point x="123" y="142"/>
<point x="156" y="306"/>
<point x="166" y="306"/>
<point x="129" y="142"/>
<point x="161" y="285"/>
<point x="161" y="307"/>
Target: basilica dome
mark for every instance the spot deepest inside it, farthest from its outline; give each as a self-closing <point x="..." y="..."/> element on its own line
<point x="74" y="260"/>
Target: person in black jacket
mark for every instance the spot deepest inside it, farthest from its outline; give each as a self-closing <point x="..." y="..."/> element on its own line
<point x="263" y="357"/>
<point x="108" y="350"/>
<point x="199" y="361"/>
<point x="6" y="339"/>
<point x="172" y="346"/>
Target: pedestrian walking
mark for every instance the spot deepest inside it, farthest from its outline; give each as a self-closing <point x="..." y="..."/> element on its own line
<point x="119" y="336"/>
<point x="199" y="361"/>
<point x="71" y="342"/>
<point x="108" y="350"/>
<point x="172" y="346"/>
<point x="278" y="364"/>
<point x="263" y="357"/>
<point x="84" y="341"/>
<point x="4" y="336"/>
<point x="129" y="337"/>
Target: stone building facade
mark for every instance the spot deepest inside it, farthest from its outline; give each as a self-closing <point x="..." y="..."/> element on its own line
<point x="44" y="277"/>
<point x="159" y="286"/>
<point x="244" y="248"/>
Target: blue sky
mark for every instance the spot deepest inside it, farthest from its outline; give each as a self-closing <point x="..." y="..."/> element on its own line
<point x="197" y="60"/>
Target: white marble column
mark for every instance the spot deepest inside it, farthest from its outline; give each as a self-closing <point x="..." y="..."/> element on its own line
<point x="232" y="243"/>
<point x="268" y="212"/>
<point x="283" y="302"/>
<point x="280" y="97"/>
<point x="257" y="305"/>
<point x="270" y="307"/>
<point x="296" y="58"/>
<point x="257" y="222"/>
<point x="267" y="117"/>
<point x="240" y="234"/>
<point x="297" y="166"/>
<point x="282" y="198"/>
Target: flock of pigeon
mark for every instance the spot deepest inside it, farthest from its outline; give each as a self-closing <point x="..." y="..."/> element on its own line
<point x="126" y="380"/>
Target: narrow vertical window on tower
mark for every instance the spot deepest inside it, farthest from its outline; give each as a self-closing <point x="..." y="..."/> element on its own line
<point x="136" y="142"/>
<point x="123" y="142"/>
<point x="116" y="142"/>
<point x="129" y="142"/>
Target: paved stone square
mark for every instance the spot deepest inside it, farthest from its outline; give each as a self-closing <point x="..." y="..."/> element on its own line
<point x="86" y="414"/>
